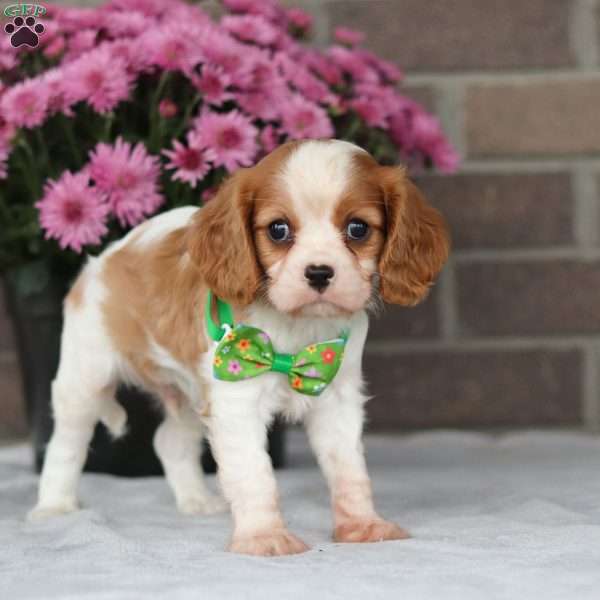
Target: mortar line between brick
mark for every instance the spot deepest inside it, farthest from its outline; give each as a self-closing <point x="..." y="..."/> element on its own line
<point x="583" y="33"/>
<point x="451" y="111"/>
<point x="590" y="395"/>
<point x="506" y="343"/>
<point x="527" y="254"/>
<point x="527" y="164"/>
<point x="526" y="76"/>
<point x="587" y="218"/>
<point x="447" y="302"/>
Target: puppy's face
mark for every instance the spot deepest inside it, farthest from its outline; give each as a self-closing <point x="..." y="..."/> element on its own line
<point x="318" y="228"/>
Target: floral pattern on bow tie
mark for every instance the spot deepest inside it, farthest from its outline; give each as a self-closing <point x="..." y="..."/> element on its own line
<point x="246" y="352"/>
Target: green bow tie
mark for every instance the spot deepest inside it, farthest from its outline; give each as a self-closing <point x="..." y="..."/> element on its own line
<point x="244" y="351"/>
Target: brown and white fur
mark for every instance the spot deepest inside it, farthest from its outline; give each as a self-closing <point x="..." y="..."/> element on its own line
<point x="135" y="314"/>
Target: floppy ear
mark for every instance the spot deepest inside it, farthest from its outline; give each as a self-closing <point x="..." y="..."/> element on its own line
<point x="221" y="244"/>
<point x="417" y="242"/>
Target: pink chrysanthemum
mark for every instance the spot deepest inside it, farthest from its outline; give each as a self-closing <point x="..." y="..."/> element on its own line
<point x="79" y="43"/>
<point x="57" y="102"/>
<point x="172" y="47"/>
<point x="304" y="119"/>
<point x="150" y="8"/>
<point x="347" y="36"/>
<point x="99" y="78"/>
<point x="302" y="79"/>
<point x="213" y="83"/>
<point x="73" y="212"/>
<point x="167" y="109"/>
<point x="251" y="28"/>
<point x="8" y="54"/>
<point x="269" y="139"/>
<point x="128" y="174"/>
<point x="353" y="62"/>
<point x="322" y="66"/>
<point x="299" y="20"/>
<point x="26" y="103"/>
<point x="231" y="136"/>
<point x="192" y="162"/>
<point x="265" y="8"/>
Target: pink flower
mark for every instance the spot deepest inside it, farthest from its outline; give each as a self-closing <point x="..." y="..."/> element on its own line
<point x="371" y="111"/>
<point x="129" y="23"/>
<point x="322" y="66"/>
<point x="234" y="367"/>
<point x="55" y="47"/>
<point x="150" y="8"/>
<point x="54" y="79"/>
<point x="388" y="71"/>
<point x="301" y="78"/>
<point x="299" y="21"/>
<point x="73" y="212"/>
<point x="128" y="174"/>
<point x="99" y="78"/>
<point x="430" y="140"/>
<point x="167" y="109"/>
<point x="213" y="83"/>
<point x="8" y="54"/>
<point x="209" y="193"/>
<point x="26" y="103"/>
<point x="80" y="43"/>
<point x="192" y="162"/>
<point x="347" y="36"/>
<point x="172" y="47"/>
<point x="251" y="28"/>
<point x="304" y="119"/>
<point x="353" y="62"/>
<point x="265" y="8"/>
<point x="269" y="139"/>
<point x="230" y="135"/>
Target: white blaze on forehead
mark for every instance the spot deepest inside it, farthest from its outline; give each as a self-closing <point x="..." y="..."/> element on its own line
<point x="316" y="174"/>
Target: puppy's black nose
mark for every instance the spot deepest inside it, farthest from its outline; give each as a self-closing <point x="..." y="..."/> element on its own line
<point x="318" y="276"/>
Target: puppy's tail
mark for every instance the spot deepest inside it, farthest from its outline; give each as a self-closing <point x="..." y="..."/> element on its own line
<point x="114" y="417"/>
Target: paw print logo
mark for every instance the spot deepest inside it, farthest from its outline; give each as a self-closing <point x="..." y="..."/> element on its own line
<point x="24" y="32"/>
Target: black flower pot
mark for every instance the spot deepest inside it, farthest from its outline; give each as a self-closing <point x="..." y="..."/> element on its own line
<point x="34" y="300"/>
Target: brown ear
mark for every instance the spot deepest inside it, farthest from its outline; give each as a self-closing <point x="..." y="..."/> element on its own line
<point x="221" y="244"/>
<point x="417" y="242"/>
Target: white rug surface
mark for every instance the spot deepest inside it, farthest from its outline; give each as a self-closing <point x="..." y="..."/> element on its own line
<point x="513" y="517"/>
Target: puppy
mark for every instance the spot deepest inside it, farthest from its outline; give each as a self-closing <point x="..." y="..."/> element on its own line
<point x="301" y="246"/>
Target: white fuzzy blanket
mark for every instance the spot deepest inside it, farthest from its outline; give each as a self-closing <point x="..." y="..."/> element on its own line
<point x="514" y="517"/>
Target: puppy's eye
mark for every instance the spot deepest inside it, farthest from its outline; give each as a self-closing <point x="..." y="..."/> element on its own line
<point x="357" y="230"/>
<point x="279" y="231"/>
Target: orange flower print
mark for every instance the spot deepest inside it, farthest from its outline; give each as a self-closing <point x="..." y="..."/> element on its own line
<point x="312" y="348"/>
<point x="296" y="383"/>
<point x="230" y="336"/>
<point x="243" y="344"/>
<point x="328" y="355"/>
<point x="218" y="361"/>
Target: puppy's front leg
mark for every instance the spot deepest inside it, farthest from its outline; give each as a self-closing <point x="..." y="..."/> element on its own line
<point x="238" y="439"/>
<point x="334" y="427"/>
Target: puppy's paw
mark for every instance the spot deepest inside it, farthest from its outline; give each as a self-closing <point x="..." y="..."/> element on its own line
<point x="205" y="504"/>
<point x="46" y="511"/>
<point x="273" y="543"/>
<point x="368" y="530"/>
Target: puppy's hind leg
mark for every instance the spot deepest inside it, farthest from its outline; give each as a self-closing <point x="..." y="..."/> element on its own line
<point x="177" y="443"/>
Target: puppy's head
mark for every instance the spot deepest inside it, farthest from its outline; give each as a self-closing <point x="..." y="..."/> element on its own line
<point x="317" y="228"/>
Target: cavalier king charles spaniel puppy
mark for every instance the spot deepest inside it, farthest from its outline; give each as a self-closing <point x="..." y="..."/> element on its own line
<point x="300" y="247"/>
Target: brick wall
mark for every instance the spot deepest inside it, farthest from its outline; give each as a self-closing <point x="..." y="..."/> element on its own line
<point x="511" y="334"/>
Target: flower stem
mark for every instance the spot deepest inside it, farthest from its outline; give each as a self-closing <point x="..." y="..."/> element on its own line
<point x="68" y="129"/>
<point x="154" y="137"/>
